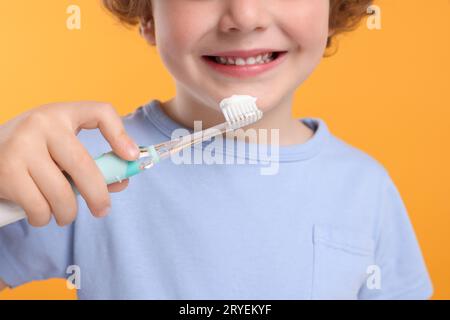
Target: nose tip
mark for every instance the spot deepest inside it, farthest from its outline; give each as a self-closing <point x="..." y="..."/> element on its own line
<point x="245" y="16"/>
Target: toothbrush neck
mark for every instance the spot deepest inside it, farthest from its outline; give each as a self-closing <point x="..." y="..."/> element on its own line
<point x="185" y="110"/>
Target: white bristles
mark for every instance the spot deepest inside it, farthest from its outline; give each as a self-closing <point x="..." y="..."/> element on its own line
<point x="240" y="110"/>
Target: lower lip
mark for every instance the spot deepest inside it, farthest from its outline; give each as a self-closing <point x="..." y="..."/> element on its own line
<point x="247" y="70"/>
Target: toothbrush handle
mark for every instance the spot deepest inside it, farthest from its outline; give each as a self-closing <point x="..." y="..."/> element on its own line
<point x="113" y="168"/>
<point x="10" y="212"/>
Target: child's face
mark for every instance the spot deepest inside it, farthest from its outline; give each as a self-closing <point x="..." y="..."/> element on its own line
<point x="186" y="30"/>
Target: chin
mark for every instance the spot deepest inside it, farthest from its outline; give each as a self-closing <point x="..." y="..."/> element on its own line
<point x="266" y="103"/>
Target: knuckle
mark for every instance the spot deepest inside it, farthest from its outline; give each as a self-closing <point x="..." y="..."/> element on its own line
<point x="26" y="135"/>
<point x="106" y="108"/>
<point x="36" y="119"/>
<point x="8" y="166"/>
<point x="108" y="113"/>
<point x="23" y="140"/>
<point x="16" y="141"/>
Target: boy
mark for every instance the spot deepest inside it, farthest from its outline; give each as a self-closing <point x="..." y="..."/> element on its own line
<point x="329" y="224"/>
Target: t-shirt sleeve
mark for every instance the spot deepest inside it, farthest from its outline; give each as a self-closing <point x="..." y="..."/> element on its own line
<point x="28" y="253"/>
<point x="399" y="261"/>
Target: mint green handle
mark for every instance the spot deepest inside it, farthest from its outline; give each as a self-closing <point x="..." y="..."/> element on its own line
<point x="114" y="169"/>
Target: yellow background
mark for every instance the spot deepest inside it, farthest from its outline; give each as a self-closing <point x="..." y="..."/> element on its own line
<point x="386" y="92"/>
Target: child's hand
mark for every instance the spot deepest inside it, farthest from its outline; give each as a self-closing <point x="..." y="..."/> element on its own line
<point x="38" y="144"/>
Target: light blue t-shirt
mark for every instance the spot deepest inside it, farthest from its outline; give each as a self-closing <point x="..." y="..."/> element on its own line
<point x="329" y="224"/>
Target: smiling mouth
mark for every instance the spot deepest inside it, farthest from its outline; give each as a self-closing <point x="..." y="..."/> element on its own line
<point x="260" y="59"/>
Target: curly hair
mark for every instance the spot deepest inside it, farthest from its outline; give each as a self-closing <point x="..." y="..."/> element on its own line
<point x="345" y="15"/>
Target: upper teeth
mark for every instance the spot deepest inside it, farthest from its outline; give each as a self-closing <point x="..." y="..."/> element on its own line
<point x="259" y="59"/>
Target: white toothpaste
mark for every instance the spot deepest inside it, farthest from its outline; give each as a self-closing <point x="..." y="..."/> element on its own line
<point x="236" y="100"/>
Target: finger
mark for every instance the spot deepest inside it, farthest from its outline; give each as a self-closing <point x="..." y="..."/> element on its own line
<point x="72" y="157"/>
<point x="55" y="188"/>
<point x="30" y="198"/>
<point x="118" y="186"/>
<point x="105" y="117"/>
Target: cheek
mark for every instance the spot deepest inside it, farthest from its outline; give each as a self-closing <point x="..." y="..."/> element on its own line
<point x="178" y="32"/>
<point x="170" y="35"/>
<point x="308" y="24"/>
<point x="179" y="27"/>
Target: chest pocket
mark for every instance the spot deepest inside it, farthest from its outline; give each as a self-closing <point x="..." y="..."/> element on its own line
<point x="340" y="262"/>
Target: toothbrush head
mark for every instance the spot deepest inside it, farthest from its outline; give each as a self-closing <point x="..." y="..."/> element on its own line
<point x="240" y="111"/>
